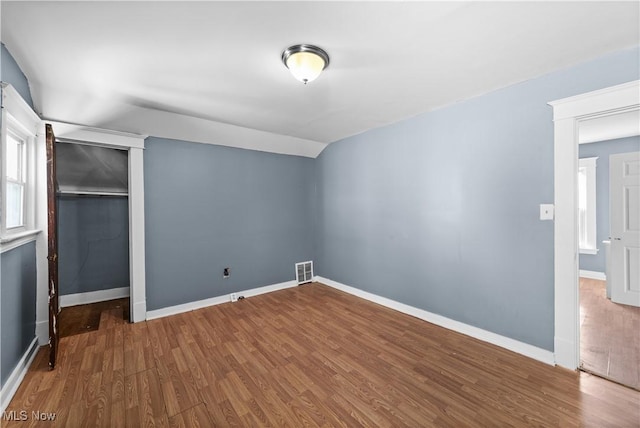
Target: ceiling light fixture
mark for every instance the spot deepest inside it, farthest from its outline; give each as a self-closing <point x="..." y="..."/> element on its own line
<point x="305" y="62"/>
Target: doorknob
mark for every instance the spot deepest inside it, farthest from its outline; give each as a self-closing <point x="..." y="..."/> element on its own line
<point x="617" y="239"/>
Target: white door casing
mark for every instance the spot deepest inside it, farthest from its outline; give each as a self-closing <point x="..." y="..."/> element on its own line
<point x="568" y="113"/>
<point x="624" y="211"/>
<point x="135" y="145"/>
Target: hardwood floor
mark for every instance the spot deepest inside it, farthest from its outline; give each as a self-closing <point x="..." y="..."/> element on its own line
<point x="609" y="335"/>
<point x="83" y="318"/>
<point x="307" y="356"/>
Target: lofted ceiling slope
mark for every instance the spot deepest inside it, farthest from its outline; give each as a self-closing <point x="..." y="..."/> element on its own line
<point x="211" y="71"/>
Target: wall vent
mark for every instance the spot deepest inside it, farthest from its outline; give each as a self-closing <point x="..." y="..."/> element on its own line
<point x="304" y="272"/>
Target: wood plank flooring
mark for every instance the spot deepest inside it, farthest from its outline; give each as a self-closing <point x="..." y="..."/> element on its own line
<point x="307" y="356"/>
<point x="83" y="318"/>
<point x="609" y="335"/>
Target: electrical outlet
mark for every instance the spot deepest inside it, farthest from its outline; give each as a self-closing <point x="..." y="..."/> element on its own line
<point x="234" y="297"/>
<point x="226" y="272"/>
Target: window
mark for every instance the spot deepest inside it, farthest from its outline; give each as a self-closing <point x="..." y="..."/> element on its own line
<point x="587" y="206"/>
<point x="15" y="167"/>
<point x="20" y="128"/>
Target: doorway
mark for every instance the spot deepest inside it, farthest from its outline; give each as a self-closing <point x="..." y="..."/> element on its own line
<point x="609" y="331"/>
<point x="568" y="114"/>
<point x="134" y="145"/>
<point x="93" y="234"/>
<point x="47" y="306"/>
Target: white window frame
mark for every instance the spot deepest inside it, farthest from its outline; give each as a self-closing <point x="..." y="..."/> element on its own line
<point x="25" y="142"/>
<point x="587" y="227"/>
<point x="19" y="120"/>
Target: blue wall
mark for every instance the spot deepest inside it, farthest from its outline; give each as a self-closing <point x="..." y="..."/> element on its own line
<point x="602" y="150"/>
<point x="209" y="207"/>
<point x="10" y="73"/>
<point x="93" y="243"/>
<point x="17" y="305"/>
<point x="441" y="211"/>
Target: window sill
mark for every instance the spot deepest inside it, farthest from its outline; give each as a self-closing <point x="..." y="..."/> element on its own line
<point x="592" y="251"/>
<point x="9" y="242"/>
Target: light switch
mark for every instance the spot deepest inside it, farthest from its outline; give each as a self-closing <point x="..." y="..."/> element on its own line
<point x="546" y="211"/>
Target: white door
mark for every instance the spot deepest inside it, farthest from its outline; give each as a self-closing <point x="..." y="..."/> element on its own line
<point x="624" y="176"/>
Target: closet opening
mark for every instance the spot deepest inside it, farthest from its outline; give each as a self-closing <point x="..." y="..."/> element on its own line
<point x="93" y="236"/>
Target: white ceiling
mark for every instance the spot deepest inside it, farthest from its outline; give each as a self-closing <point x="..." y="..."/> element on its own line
<point x="211" y="71"/>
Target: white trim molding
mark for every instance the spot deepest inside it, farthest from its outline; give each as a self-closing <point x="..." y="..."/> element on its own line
<point x="135" y="145"/>
<point x="42" y="247"/>
<point x="42" y="332"/>
<point x="486" y="336"/>
<point x="568" y="113"/>
<point x="591" y="274"/>
<point x="137" y="275"/>
<point x="72" y="133"/>
<point x="602" y="102"/>
<point x="19" y="120"/>
<point x="17" y="375"/>
<point x="20" y="110"/>
<point x="10" y="242"/>
<point x="93" y="296"/>
<point x="191" y="306"/>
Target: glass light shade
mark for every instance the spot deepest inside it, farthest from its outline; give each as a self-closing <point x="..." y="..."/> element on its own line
<point x="305" y="62"/>
<point x="305" y="66"/>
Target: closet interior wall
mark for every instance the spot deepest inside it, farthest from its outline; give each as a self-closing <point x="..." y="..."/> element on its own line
<point x="93" y="222"/>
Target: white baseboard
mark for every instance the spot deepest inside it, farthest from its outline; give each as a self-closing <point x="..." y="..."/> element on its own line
<point x="13" y="381"/>
<point x="93" y="296"/>
<point x="593" y="275"/>
<point x="511" y="344"/>
<point x="186" y="307"/>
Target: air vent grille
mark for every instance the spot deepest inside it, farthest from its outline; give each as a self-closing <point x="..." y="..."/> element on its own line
<point x="304" y="272"/>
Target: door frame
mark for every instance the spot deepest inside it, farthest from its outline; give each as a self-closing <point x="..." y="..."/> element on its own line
<point x="567" y="115"/>
<point x="134" y="144"/>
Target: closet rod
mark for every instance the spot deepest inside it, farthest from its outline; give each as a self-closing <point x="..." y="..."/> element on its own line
<point x="89" y="193"/>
